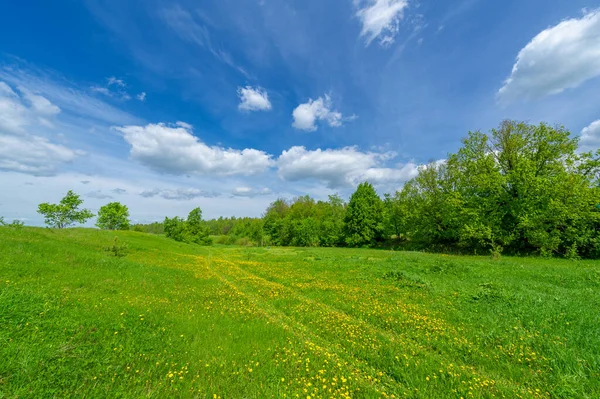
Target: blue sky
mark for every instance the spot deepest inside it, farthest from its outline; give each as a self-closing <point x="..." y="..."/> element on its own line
<point x="169" y="105"/>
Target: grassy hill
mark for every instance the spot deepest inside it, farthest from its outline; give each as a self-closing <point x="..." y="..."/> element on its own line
<point x="176" y="320"/>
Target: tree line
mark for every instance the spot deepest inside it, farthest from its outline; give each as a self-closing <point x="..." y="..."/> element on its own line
<point x="115" y="216"/>
<point x="520" y="189"/>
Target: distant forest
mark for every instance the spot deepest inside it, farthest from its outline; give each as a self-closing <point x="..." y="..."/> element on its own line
<point x="521" y="189"/>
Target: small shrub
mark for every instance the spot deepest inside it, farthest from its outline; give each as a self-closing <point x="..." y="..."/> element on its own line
<point x="403" y="280"/>
<point x="117" y="248"/>
<point x="244" y="242"/>
<point x="496" y="251"/>
<point x="572" y="252"/>
<point x="17" y="224"/>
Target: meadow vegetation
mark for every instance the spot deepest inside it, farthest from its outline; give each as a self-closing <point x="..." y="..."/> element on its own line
<point x="170" y="319"/>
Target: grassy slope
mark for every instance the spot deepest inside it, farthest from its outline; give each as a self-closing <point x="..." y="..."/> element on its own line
<point x="174" y="320"/>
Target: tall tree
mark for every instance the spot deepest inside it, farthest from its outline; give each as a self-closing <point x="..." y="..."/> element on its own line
<point x="113" y="216"/>
<point x="66" y="213"/>
<point x="196" y="230"/>
<point x="364" y="217"/>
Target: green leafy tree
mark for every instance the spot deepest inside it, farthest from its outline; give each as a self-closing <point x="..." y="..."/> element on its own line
<point x="113" y="216"/>
<point x="364" y="217"/>
<point x="196" y="230"/>
<point x="331" y="217"/>
<point x="175" y="229"/>
<point x="274" y="222"/>
<point x="66" y="213"/>
<point x="521" y="189"/>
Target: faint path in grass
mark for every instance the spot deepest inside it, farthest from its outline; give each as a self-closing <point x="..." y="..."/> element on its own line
<point x="352" y="338"/>
<point x="372" y="376"/>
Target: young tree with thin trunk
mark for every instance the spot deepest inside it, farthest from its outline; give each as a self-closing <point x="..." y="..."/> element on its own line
<point x="66" y="213"/>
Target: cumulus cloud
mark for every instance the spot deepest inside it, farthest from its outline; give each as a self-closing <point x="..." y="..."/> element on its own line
<point x="20" y="149"/>
<point x="180" y="194"/>
<point x="306" y="115"/>
<point x="14" y="116"/>
<point x="590" y="137"/>
<point x="253" y="99"/>
<point x="341" y="167"/>
<point x="119" y="191"/>
<point x="174" y="149"/>
<point x="33" y="155"/>
<point x="141" y="96"/>
<point x="380" y="19"/>
<point x="559" y="58"/>
<point x="250" y="192"/>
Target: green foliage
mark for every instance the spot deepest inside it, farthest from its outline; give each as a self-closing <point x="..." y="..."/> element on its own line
<point x="117" y="248"/>
<point x="196" y="231"/>
<point x="175" y="228"/>
<point x="16" y="223"/>
<point x="150" y="228"/>
<point x="523" y="189"/>
<point x="113" y="216"/>
<point x="192" y="231"/>
<point x="66" y="213"/>
<point x="364" y="225"/>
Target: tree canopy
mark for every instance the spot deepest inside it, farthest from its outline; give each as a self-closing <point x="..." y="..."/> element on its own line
<point x="66" y="213"/>
<point x="113" y="216"/>
<point x="193" y="230"/>
<point x="364" y="224"/>
<point x="519" y="189"/>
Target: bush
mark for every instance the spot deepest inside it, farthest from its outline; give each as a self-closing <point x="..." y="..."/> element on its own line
<point x="15" y="223"/>
<point x="117" y="248"/>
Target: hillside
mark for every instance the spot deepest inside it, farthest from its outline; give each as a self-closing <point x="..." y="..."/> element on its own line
<point x="177" y="320"/>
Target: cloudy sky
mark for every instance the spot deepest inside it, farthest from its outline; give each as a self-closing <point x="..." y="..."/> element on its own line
<point x="168" y="105"/>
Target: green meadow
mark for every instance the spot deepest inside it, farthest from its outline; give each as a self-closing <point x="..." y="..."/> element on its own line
<point x="175" y="320"/>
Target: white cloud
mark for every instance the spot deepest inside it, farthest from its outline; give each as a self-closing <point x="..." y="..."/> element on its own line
<point x="590" y="137"/>
<point x="253" y="99"/>
<point x="21" y="150"/>
<point x="559" y="58"/>
<point x="101" y="90"/>
<point x="33" y="155"/>
<point x="380" y="19"/>
<point x="141" y="96"/>
<point x="306" y="115"/>
<point x="114" y="81"/>
<point x="116" y="88"/>
<point x="70" y="99"/>
<point x="344" y="167"/>
<point x="179" y="194"/>
<point x="174" y="149"/>
<point x="39" y="104"/>
<point x="250" y="192"/>
<point x="13" y="114"/>
<point x="191" y="27"/>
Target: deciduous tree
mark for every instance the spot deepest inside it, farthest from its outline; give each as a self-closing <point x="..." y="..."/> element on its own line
<point x="66" y="213"/>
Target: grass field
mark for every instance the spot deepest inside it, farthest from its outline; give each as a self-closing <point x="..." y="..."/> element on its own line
<point x="176" y="320"/>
